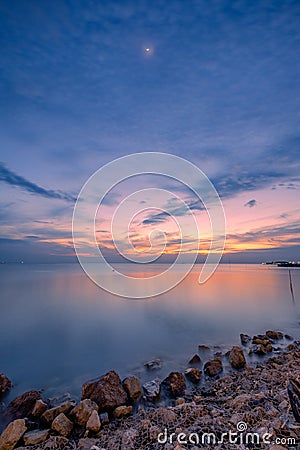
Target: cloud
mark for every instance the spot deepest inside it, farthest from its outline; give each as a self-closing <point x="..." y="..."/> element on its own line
<point x="11" y="178"/>
<point x="251" y="203"/>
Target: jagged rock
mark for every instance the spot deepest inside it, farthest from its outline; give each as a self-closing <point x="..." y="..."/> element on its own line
<point x="62" y="425"/>
<point x="262" y="349"/>
<point x="21" y="406"/>
<point x="49" y="415"/>
<point x="193" y="374"/>
<point x="195" y="360"/>
<point x="237" y="358"/>
<point x="12" y="434"/>
<point x="154" y="364"/>
<point x="294" y="396"/>
<point x="93" y="424"/>
<point x="122" y="411"/>
<point x="245" y="338"/>
<point x="35" y="437"/>
<point x="152" y="389"/>
<point x="39" y="408"/>
<point x="107" y="391"/>
<point x="175" y="384"/>
<point x="275" y="335"/>
<point x="81" y="413"/>
<point x="213" y="367"/>
<point x="133" y="388"/>
<point x="5" y="384"/>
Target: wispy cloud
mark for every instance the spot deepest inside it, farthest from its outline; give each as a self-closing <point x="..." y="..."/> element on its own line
<point x="11" y="178"/>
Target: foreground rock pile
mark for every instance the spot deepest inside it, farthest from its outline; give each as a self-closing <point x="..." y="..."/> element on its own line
<point x="123" y="415"/>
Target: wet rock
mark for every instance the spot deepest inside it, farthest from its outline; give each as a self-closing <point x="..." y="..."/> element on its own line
<point x="49" y="415"/>
<point x="237" y="358"/>
<point x="213" y="367"/>
<point x="261" y="340"/>
<point x="152" y="389"/>
<point x="39" y="408"/>
<point x="262" y="349"/>
<point x="275" y="335"/>
<point x="195" y="360"/>
<point x="12" y="434"/>
<point x="107" y="391"/>
<point x="154" y="364"/>
<point x="122" y="411"/>
<point x="193" y="374"/>
<point x="5" y="384"/>
<point x="21" y="406"/>
<point x="62" y="425"/>
<point x="203" y="348"/>
<point x="35" y="437"/>
<point x="133" y="388"/>
<point x="93" y="424"/>
<point x="80" y="414"/>
<point x="294" y="396"/>
<point x="245" y="338"/>
<point x="175" y="384"/>
<point x="288" y="337"/>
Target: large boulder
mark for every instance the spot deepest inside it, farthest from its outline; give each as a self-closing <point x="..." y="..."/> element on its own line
<point x="133" y="388"/>
<point x="21" y="406"/>
<point x="193" y="374"/>
<point x="12" y="434"/>
<point x="213" y="367"/>
<point x="195" y="360"/>
<point x="52" y="413"/>
<point x="62" y="425"/>
<point x="175" y="384"/>
<point x="5" y="384"/>
<point x="81" y="413"/>
<point x="39" y="408"/>
<point x="237" y="358"/>
<point x="107" y="391"/>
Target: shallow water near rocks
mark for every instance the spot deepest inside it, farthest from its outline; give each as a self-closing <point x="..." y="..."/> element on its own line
<point x="58" y="329"/>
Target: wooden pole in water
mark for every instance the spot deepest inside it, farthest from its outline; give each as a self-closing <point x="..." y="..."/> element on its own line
<point x="291" y="286"/>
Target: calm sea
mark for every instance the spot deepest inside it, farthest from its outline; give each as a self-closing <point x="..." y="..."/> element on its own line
<point x="58" y="329"/>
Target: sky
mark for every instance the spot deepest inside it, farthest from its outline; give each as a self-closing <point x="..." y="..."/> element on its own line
<point x="85" y="82"/>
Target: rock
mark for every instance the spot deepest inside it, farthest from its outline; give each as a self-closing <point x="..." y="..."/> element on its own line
<point x="180" y="401"/>
<point x="88" y="444"/>
<point x="133" y="388"/>
<point x="35" y="437"/>
<point x="80" y="414"/>
<point x="93" y="424"/>
<point x="288" y="337"/>
<point x="165" y="416"/>
<point x="204" y="348"/>
<point x="122" y="411"/>
<point x="259" y="341"/>
<point x="152" y="389"/>
<point x="107" y="391"/>
<point x="5" y="384"/>
<point x="175" y="384"/>
<point x="62" y="425"/>
<point x="21" y="406"/>
<point x="294" y="396"/>
<point x="154" y="364"/>
<point x="104" y="419"/>
<point x="213" y="367"/>
<point x="39" y="408"/>
<point x="12" y="434"/>
<point x="128" y="439"/>
<point x="49" y="415"/>
<point x="245" y="338"/>
<point x="195" y="360"/>
<point x="262" y="349"/>
<point x="275" y="335"/>
<point x="237" y="358"/>
<point x="55" y="442"/>
<point x="193" y="374"/>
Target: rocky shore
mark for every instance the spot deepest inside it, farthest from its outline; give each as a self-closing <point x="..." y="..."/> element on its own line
<point x="251" y="405"/>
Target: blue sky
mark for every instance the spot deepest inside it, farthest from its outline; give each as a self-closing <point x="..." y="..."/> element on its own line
<point x="220" y="86"/>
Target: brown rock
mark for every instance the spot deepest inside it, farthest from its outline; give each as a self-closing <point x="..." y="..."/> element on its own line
<point x="81" y="413"/>
<point x="12" y="434"/>
<point x="35" y="437"/>
<point x="263" y="349"/>
<point x="275" y="335"/>
<point x="175" y="384"/>
<point x="39" y="408"/>
<point x="193" y="374"/>
<point x="213" y="367"/>
<point x="5" y="384"/>
<point x="195" y="360"/>
<point x="50" y="414"/>
<point x="21" y="406"/>
<point x="93" y="424"/>
<point x="122" y="411"/>
<point x="107" y="391"/>
<point x="133" y="388"/>
<point x="237" y="358"/>
<point x="62" y="425"/>
<point x="245" y="338"/>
